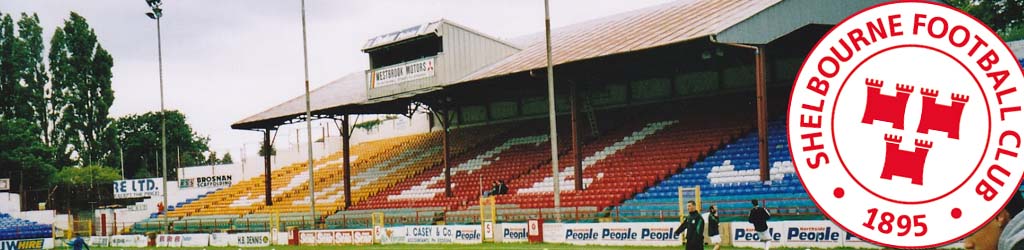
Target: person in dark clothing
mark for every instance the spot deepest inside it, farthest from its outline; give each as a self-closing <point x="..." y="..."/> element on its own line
<point x="759" y="217"/>
<point x="693" y="224"/>
<point x="502" y="188"/>
<point x="713" y="233"/>
<point x="493" y="191"/>
<point x="78" y="243"/>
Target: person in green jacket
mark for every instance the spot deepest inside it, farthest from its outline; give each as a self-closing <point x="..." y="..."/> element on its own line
<point x="693" y="224"/>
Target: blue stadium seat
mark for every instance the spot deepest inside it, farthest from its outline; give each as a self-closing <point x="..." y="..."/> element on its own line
<point x="13" y="228"/>
<point x="732" y="187"/>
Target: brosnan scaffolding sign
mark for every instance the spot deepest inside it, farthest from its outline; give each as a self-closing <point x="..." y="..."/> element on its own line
<point x="206" y="181"/>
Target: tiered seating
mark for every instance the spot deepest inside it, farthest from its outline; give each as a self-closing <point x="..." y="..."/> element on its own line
<point x="393" y="217"/>
<point x="262" y="222"/>
<point x="382" y="164"/>
<point x="603" y="148"/>
<point x="239" y="198"/>
<point x="473" y="173"/>
<point x="204" y="223"/>
<point x="620" y="164"/>
<point x="289" y="183"/>
<point x="730" y="178"/>
<point x="380" y="156"/>
<point x="513" y="213"/>
<point x="13" y="228"/>
<point x="185" y="202"/>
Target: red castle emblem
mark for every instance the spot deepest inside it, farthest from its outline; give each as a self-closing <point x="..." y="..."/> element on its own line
<point x="881" y="107"/>
<point x="941" y="117"/>
<point x="909" y="164"/>
<point x="905" y="125"/>
<point x="892" y="109"/>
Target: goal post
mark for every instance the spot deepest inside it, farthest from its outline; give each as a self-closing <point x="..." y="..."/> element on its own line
<point x="377" y="219"/>
<point x="488" y="217"/>
<point x="275" y="224"/>
<point x="684" y="192"/>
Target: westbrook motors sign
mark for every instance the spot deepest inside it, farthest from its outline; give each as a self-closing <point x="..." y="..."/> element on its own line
<point x="404" y="72"/>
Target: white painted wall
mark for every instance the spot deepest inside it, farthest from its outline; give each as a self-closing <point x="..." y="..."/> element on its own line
<point x="9" y="203"/>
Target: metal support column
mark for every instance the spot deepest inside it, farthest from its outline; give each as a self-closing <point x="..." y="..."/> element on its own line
<point x="762" y="112"/>
<point x="761" y="82"/>
<point x="577" y="154"/>
<point x="555" y="176"/>
<point x="346" y="136"/>
<point x="309" y="120"/>
<point x="445" y="124"/>
<point x="267" y="152"/>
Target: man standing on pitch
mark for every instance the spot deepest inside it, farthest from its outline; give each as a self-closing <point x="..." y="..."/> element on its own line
<point x="693" y="224"/>
<point x="713" y="233"/>
<point x="759" y="217"/>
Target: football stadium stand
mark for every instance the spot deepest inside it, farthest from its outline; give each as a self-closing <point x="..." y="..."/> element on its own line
<point x="729" y="178"/>
<point x="619" y="165"/>
<point x="632" y="165"/>
<point x="403" y="176"/>
<point x="631" y="173"/>
<point x="376" y="166"/>
<point x="13" y="228"/>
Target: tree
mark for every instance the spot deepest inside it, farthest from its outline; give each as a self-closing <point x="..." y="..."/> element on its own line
<point x="85" y="187"/>
<point x="226" y="159"/>
<point x="10" y="68"/>
<point x="33" y="74"/>
<point x="264" y="149"/>
<point x="25" y="159"/>
<point x="86" y="177"/>
<point x="1003" y="16"/>
<point x="57" y="134"/>
<point x="212" y="158"/>
<point x="139" y="138"/>
<point x="142" y="172"/>
<point x="23" y="76"/>
<point x="80" y="92"/>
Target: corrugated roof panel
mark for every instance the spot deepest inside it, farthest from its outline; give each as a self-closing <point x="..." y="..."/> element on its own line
<point x="345" y="90"/>
<point x="636" y="30"/>
<point x="630" y="31"/>
<point x="401" y="35"/>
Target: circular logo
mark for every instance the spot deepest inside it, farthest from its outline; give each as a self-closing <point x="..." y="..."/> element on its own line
<point x="905" y="124"/>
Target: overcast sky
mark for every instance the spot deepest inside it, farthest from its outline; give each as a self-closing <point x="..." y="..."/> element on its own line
<point x="227" y="60"/>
